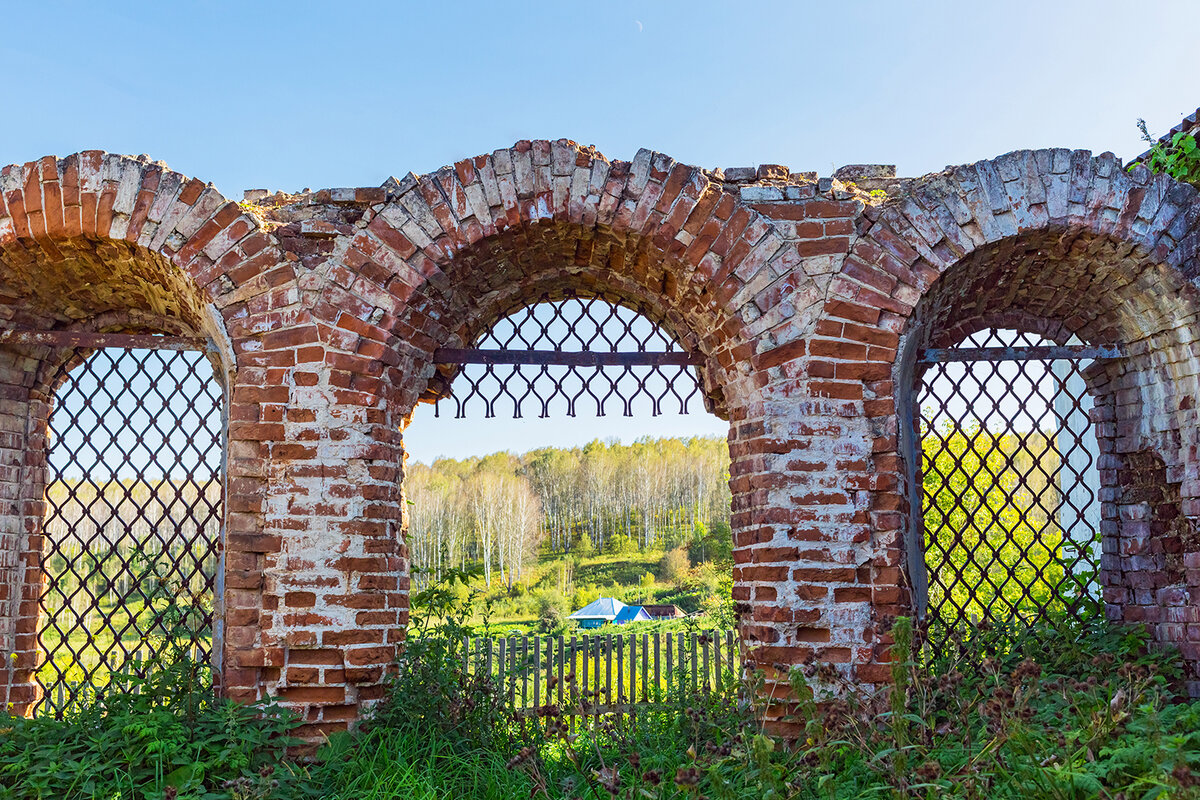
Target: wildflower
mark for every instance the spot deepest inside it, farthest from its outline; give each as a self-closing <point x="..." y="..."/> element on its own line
<point x="1184" y="776"/>
<point x="1027" y="669"/>
<point x="609" y="778"/>
<point x="931" y="770"/>
<point x="687" y="777"/>
<point x="522" y="756"/>
<point x="652" y="777"/>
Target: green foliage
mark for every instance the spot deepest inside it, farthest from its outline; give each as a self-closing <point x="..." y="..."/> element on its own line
<point x="383" y="763"/>
<point x="621" y="545"/>
<point x="584" y="595"/>
<point x="653" y="491"/>
<point x="1073" y="710"/>
<point x="582" y="546"/>
<point x="173" y="733"/>
<point x="711" y="543"/>
<point x="433" y="694"/>
<point x="1077" y="710"/>
<point x="717" y="603"/>
<point x="1179" y="158"/>
<point x="646" y="585"/>
<point x="553" y="610"/>
<point x="164" y="734"/>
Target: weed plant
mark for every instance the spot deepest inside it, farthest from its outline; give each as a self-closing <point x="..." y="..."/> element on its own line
<point x="1076" y="709"/>
<point x="159" y="733"/>
<point x="1079" y="709"/>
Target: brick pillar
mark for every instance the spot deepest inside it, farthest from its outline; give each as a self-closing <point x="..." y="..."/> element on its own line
<point x="814" y="569"/>
<point x="316" y="573"/>
<point x="23" y="418"/>
<point x="1150" y="564"/>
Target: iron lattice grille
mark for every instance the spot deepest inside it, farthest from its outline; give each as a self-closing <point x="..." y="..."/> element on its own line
<point x="132" y="531"/>
<point x="573" y="354"/>
<point x="1009" y="485"/>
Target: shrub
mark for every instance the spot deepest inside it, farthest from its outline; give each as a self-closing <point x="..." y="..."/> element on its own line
<point x="552" y="611"/>
<point x="1077" y="709"/>
<point x="646" y="588"/>
<point x="1179" y="157"/>
<point x="711" y="544"/>
<point x="433" y="694"/>
<point x="174" y="737"/>
<point x="675" y="566"/>
<point x="621" y="545"/>
<point x="1080" y="709"/>
<point x="584" y="595"/>
<point x="163" y="733"/>
<point x="582" y="545"/>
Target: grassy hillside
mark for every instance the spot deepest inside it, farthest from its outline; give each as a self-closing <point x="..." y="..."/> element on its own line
<point x="557" y="585"/>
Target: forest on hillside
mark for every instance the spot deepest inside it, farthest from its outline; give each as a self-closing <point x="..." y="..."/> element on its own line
<point x="499" y="511"/>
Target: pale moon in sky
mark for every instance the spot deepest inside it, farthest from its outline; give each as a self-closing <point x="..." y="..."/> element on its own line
<point x="638" y="22"/>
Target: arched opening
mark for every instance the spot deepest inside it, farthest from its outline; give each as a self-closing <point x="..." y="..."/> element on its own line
<point x="1095" y="314"/>
<point x="451" y="253"/>
<point x="1009" y="480"/>
<point x="133" y="514"/>
<point x="115" y="372"/>
<point x="597" y="500"/>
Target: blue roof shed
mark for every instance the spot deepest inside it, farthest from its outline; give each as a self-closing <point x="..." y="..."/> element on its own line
<point x="631" y="614"/>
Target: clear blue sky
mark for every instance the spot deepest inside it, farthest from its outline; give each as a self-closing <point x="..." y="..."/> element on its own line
<point x="292" y="95"/>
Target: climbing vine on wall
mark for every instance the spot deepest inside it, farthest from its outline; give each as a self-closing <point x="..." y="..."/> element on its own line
<point x="1179" y="157"/>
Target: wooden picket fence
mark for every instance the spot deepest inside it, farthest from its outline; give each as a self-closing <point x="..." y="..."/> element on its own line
<point x="619" y="671"/>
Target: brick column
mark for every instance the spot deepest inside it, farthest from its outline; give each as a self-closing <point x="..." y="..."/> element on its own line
<point x="23" y="416"/>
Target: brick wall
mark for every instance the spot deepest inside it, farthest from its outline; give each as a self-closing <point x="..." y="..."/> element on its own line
<point x="806" y="297"/>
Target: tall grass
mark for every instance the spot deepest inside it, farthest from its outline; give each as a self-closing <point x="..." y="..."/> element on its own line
<point x="402" y="763"/>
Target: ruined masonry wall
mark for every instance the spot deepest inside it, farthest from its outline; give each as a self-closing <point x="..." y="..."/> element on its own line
<point x="802" y="294"/>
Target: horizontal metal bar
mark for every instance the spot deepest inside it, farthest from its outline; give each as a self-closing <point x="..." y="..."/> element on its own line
<point x="454" y="355"/>
<point x="1049" y="353"/>
<point x="144" y="341"/>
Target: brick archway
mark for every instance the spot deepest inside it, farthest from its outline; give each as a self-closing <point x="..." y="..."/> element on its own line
<point x="109" y="243"/>
<point x="449" y="253"/>
<point x="1057" y="242"/>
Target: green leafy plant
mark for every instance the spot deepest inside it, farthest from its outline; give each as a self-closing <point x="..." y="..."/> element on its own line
<point x="434" y="693"/>
<point x="157" y="732"/>
<point x="1179" y="157"/>
<point x="1076" y="709"/>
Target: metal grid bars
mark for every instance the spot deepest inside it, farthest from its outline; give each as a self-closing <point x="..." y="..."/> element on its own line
<point x="577" y="354"/>
<point x="133" y="516"/>
<point x="1009" y="484"/>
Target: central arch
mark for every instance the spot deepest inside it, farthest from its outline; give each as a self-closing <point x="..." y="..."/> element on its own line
<point x="451" y="253"/>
